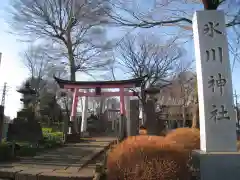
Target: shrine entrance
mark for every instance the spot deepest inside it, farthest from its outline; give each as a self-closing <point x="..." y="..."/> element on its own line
<point x="97" y="86"/>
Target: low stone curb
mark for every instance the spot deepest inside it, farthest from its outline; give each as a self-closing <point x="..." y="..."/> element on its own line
<point x="93" y="156"/>
<point x="29" y="173"/>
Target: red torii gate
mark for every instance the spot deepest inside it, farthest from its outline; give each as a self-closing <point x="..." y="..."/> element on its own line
<point x="98" y="85"/>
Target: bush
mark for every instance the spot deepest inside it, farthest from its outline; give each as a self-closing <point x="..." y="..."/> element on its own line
<point x="20" y="150"/>
<point x="55" y="136"/>
<point x="52" y="139"/>
<point x="46" y="130"/>
<point x="147" y="157"/>
<point x="27" y="150"/>
<point x="188" y="137"/>
<point x="5" y="151"/>
<point x="49" y="135"/>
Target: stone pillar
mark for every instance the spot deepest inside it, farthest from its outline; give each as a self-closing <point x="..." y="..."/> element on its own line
<point x="151" y="120"/>
<point x="133" y="123"/>
<point x="112" y="120"/>
<point x="122" y="120"/>
<point x="160" y="126"/>
<point x="215" y="95"/>
<point x="218" y="157"/>
<point x="65" y="126"/>
<point x="127" y="107"/>
<point x="122" y="127"/>
<point x="114" y="117"/>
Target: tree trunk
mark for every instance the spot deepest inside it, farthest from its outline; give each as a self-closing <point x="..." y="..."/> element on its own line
<point x="72" y="65"/>
<point x="143" y="102"/>
<point x="71" y="56"/>
<point x="195" y="120"/>
<point x="72" y="73"/>
<point x="184" y="115"/>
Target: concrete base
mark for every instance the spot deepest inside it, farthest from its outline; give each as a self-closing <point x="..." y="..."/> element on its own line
<point x="73" y="138"/>
<point x="85" y="134"/>
<point x="217" y="165"/>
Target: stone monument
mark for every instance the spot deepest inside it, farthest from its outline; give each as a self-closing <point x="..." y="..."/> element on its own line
<point x="133" y="122"/>
<point x="218" y="126"/>
<point x="151" y="118"/>
<point x="218" y="157"/>
<point x="25" y="127"/>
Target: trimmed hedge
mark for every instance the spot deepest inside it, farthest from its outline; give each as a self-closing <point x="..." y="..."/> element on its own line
<point x="148" y="157"/>
<point x="50" y="140"/>
<point x="188" y="137"/>
<point x="155" y="157"/>
<point x="5" y="151"/>
<point x="52" y="137"/>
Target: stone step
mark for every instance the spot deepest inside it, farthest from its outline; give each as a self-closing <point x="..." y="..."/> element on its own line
<point x="68" y="174"/>
<point x="42" y="168"/>
<point x="73" y="138"/>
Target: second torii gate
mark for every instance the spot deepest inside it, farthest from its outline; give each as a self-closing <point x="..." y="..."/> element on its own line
<point x="98" y="86"/>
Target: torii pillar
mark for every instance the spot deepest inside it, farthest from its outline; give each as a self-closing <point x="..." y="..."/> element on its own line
<point x="74" y="124"/>
<point x="84" y="114"/>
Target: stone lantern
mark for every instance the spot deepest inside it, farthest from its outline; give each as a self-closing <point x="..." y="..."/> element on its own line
<point x="25" y="128"/>
<point x="28" y="93"/>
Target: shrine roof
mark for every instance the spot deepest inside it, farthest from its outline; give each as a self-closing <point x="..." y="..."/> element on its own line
<point x="136" y="82"/>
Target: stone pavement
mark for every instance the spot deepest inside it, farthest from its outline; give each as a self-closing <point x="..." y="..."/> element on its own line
<point x="68" y="162"/>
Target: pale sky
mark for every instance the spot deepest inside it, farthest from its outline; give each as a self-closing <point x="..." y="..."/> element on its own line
<point x="14" y="73"/>
<point x="11" y="69"/>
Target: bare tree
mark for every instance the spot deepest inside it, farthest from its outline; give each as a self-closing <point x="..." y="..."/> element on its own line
<point x="36" y="63"/>
<point x="169" y="12"/>
<point x="41" y="72"/>
<point x="186" y="80"/>
<point x="40" y="69"/>
<point x="177" y="15"/>
<point x="74" y="27"/>
<point x="146" y="56"/>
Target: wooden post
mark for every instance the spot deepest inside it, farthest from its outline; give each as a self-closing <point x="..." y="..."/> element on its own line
<point x="1" y="122"/>
<point x="122" y="103"/>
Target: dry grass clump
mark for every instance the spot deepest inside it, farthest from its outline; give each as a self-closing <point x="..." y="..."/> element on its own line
<point x="148" y="158"/>
<point x="142" y="130"/>
<point x="188" y="137"/>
